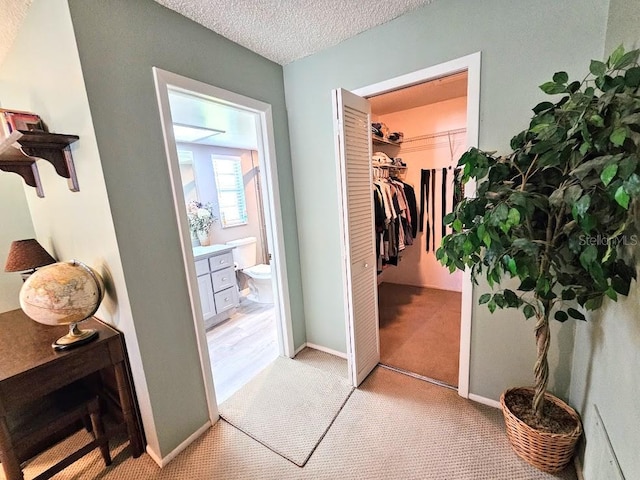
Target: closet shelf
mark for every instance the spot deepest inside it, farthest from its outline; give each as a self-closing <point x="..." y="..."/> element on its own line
<point x="385" y="166"/>
<point x="383" y="141"/>
<point x="52" y="147"/>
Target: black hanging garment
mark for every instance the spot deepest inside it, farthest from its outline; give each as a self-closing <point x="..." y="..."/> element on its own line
<point x="413" y="210"/>
<point x="433" y="210"/>
<point x="425" y="182"/>
<point x="444" y="201"/>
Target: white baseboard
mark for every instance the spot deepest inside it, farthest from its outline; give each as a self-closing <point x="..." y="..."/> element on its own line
<point x="162" y="462"/>
<point x="578" y="466"/>
<point x="326" y="350"/>
<point x="299" y="349"/>
<point x="485" y="401"/>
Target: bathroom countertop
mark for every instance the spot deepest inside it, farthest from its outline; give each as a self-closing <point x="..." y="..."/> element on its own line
<point x="204" y="252"/>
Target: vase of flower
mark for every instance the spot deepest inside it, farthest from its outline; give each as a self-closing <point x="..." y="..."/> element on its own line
<point x="201" y="218"/>
<point x="203" y="237"/>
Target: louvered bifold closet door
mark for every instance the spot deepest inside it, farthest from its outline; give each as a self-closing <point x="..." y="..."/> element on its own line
<point x="353" y="127"/>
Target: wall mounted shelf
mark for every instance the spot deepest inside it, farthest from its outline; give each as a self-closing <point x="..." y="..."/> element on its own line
<point x="20" y="150"/>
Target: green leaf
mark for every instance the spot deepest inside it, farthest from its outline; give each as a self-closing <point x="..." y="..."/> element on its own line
<point x="482" y="229"/>
<point x="616" y="55"/>
<point x="561" y="316"/>
<point x="622" y="197"/>
<point x="512" y="299"/>
<point x="626" y="60"/>
<point x="492" y="306"/>
<point x="596" y="120"/>
<point x="632" y="77"/>
<point x="581" y="207"/>
<point x="620" y="285"/>
<point x="632" y="184"/>
<point x="541" y="107"/>
<point x="593" y="303"/>
<point x="588" y="256"/>
<point x="511" y="265"/>
<point x="527" y="284"/>
<point x="501" y="212"/>
<point x="529" y="311"/>
<point x="561" y="77"/>
<point x="467" y="247"/>
<point x="573" y="313"/>
<point x="457" y="225"/>
<point x="611" y="293"/>
<point x="608" y="173"/>
<point x="553" y="88"/>
<point x="484" y="298"/>
<point x="627" y="165"/>
<point x="618" y="136"/>
<point x="486" y="239"/>
<point x="514" y="216"/>
<point x="597" y="68"/>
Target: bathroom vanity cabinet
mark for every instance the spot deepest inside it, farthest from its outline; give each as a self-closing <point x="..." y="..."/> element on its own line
<point x="216" y="282"/>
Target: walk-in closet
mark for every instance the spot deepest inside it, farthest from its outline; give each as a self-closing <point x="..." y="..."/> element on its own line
<point x="418" y="135"/>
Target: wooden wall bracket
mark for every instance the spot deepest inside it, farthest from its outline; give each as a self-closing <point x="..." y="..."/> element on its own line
<point x="52" y="147"/>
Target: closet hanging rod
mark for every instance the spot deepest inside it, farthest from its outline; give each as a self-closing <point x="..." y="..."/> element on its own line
<point x="445" y="133"/>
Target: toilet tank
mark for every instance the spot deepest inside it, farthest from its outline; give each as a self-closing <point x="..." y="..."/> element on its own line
<point x="244" y="255"/>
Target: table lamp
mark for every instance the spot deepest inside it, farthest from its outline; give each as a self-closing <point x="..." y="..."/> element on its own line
<point x="25" y="256"/>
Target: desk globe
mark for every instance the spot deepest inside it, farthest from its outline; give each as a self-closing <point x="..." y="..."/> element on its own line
<point x="63" y="293"/>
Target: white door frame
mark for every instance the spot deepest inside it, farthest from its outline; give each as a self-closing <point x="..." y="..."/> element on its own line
<point x="471" y="64"/>
<point x="271" y="202"/>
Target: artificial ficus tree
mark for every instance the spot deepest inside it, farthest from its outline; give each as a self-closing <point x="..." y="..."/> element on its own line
<point x="552" y="213"/>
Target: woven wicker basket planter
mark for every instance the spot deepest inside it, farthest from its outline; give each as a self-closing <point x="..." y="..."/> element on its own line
<point x="549" y="452"/>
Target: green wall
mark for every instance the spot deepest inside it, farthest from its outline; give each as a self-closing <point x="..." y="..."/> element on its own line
<point x="522" y="43"/>
<point x="607" y="347"/>
<point x="16" y="225"/>
<point x="119" y="41"/>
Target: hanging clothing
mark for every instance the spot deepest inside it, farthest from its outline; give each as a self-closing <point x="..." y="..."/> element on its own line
<point x="410" y="195"/>
<point x="433" y="209"/>
<point x="425" y="185"/>
<point x="393" y="219"/>
<point x="444" y="201"/>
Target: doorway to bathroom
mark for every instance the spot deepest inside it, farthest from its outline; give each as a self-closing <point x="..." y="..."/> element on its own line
<point x="223" y="171"/>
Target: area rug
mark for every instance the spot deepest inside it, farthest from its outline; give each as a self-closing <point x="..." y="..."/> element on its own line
<point x="288" y="407"/>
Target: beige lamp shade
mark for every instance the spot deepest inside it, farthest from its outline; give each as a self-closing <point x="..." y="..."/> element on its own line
<point x="27" y="255"/>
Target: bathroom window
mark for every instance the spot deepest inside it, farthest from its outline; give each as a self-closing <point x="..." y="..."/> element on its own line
<point x="230" y="185"/>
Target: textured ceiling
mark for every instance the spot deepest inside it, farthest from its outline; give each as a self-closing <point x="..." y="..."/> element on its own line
<point x="286" y="30"/>
<point x="12" y="12"/>
<point x="280" y="30"/>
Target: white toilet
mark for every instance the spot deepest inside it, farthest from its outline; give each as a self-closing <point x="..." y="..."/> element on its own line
<point x="244" y="257"/>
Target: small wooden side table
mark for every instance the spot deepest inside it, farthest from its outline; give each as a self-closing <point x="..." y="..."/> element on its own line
<point x="31" y="369"/>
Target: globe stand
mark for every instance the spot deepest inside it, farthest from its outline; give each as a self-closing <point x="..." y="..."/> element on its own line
<point x="74" y="338"/>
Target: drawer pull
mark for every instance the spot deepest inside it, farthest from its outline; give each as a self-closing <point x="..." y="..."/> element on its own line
<point x="226" y="299"/>
<point x="224" y="278"/>
<point x="221" y="262"/>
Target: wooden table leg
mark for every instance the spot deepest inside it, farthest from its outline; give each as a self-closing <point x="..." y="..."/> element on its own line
<point x="135" y="437"/>
<point x="10" y="463"/>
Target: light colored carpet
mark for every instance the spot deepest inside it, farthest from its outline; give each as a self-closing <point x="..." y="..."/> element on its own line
<point x="420" y="330"/>
<point x="288" y="407"/>
<point x="392" y="428"/>
<point x="324" y="361"/>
